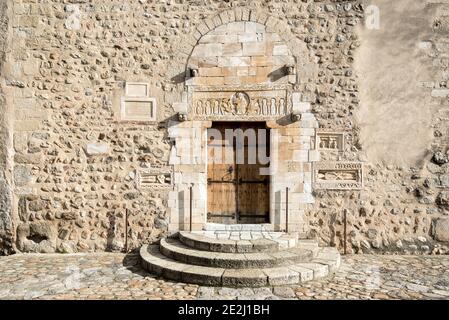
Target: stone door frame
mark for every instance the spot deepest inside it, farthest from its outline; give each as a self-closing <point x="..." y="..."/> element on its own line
<point x="296" y="149"/>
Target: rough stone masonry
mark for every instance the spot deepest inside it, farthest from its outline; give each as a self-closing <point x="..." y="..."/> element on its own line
<point x="91" y="92"/>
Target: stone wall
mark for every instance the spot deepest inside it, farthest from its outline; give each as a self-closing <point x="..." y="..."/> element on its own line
<point x="399" y="129"/>
<point x="6" y="229"/>
<point x="78" y="163"/>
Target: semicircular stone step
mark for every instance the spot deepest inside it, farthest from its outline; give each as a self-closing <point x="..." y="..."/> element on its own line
<point x="156" y="263"/>
<point x="174" y="249"/>
<point x="200" y="241"/>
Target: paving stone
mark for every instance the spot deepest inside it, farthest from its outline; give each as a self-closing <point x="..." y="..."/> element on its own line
<point x="284" y="292"/>
<point x="19" y="273"/>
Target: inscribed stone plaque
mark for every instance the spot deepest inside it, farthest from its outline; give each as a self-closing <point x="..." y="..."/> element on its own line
<point x="338" y="175"/>
<point x="138" y="109"/>
<point x="136" y="89"/>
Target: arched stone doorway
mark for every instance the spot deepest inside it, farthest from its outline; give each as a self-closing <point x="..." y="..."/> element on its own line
<point x="242" y="71"/>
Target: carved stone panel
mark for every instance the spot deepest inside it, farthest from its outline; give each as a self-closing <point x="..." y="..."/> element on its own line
<point x="338" y="175"/>
<point x="138" y="109"/>
<point x="330" y="141"/>
<point x="239" y="105"/>
<point x="152" y="178"/>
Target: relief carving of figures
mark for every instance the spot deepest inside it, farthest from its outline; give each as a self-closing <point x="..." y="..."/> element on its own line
<point x="330" y="141"/>
<point x="240" y="103"/>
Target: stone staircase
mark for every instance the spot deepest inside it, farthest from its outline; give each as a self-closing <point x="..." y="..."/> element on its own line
<point x="213" y="259"/>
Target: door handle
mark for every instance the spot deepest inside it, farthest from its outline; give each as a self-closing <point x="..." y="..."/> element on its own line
<point x="230" y="169"/>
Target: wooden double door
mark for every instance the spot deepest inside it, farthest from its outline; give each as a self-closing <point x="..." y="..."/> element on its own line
<point x="237" y="192"/>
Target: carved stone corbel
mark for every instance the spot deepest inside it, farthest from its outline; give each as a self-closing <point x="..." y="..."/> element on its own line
<point x="295" y="116"/>
<point x="182" y="116"/>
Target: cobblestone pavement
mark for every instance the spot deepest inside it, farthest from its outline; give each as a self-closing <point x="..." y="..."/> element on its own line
<point x="116" y="276"/>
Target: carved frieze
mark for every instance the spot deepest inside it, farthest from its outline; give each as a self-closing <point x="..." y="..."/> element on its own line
<point x="153" y="179"/>
<point x="338" y="175"/>
<point x="235" y="105"/>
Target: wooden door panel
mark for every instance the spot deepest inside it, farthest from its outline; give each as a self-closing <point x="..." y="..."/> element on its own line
<point x="253" y="199"/>
<point x="221" y="176"/>
<point x="221" y="199"/>
<point x="236" y="192"/>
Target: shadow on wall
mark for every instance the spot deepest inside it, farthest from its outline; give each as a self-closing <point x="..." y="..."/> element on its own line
<point x="394" y="116"/>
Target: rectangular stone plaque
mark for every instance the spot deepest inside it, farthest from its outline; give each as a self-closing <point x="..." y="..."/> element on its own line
<point x="330" y="141"/>
<point x="338" y="175"/>
<point x="138" y="109"/>
<point x="153" y="179"/>
<point x="136" y="89"/>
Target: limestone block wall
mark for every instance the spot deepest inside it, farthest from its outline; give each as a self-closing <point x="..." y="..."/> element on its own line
<point x="76" y="166"/>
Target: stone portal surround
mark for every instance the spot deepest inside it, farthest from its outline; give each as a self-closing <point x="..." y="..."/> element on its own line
<point x="238" y="51"/>
<point x="293" y="164"/>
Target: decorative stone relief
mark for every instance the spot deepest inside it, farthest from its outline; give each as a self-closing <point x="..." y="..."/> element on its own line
<point x="328" y="141"/>
<point x="153" y="179"/>
<point x="235" y="105"/>
<point x="338" y="175"/>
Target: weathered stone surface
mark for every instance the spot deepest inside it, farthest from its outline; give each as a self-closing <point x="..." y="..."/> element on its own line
<point x="281" y="276"/>
<point x="244" y="278"/>
<point x="443" y="199"/>
<point x="36" y="237"/>
<point x="203" y="275"/>
<point x="6" y="234"/>
<point x="441" y="229"/>
<point x="22" y="176"/>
